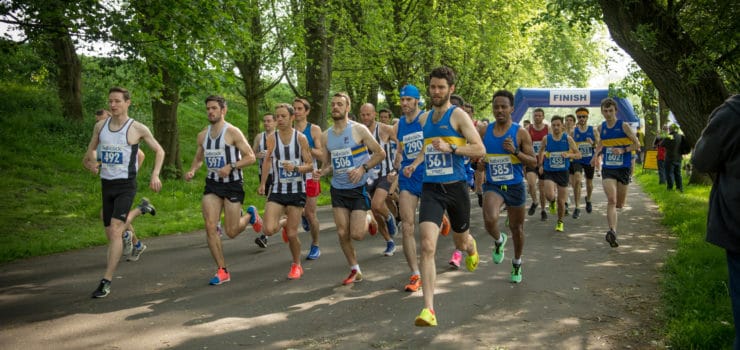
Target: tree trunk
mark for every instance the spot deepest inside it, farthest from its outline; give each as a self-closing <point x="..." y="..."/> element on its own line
<point x="166" y="132"/>
<point x="69" y="75"/>
<point x="318" y="60"/>
<point x="651" y="34"/>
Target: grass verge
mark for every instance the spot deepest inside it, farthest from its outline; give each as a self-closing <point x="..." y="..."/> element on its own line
<point x="696" y="301"/>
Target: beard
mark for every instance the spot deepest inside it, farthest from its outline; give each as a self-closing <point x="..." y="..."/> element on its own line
<point x="337" y="116"/>
<point x="441" y="102"/>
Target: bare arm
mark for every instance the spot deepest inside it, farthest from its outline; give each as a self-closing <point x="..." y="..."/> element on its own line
<point x="198" y="159"/>
<point x="361" y="132"/>
<point x="318" y="142"/>
<point x="89" y="161"/>
<point x="526" y="150"/>
<point x="573" y="151"/>
<point x="266" y="164"/>
<point x="155" y="184"/>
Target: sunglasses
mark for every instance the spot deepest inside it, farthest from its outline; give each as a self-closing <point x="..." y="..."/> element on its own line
<point x="582" y="116"/>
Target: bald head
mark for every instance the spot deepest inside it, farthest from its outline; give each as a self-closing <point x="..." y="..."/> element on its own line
<point x="367" y="114"/>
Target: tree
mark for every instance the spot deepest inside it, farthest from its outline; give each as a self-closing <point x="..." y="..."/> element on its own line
<point x="52" y="25"/>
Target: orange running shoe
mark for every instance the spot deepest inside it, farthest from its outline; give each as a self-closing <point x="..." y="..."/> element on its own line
<point x="255" y="220"/>
<point x="414" y="283"/>
<point x="285" y="235"/>
<point x="372" y="228"/>
<point x="354" y="276"/>
<point x="296" y="271"/>
<point x="444" y="229"/>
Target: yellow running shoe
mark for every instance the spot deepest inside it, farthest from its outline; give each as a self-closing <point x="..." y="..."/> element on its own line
<point x="471" y="261"/>
<point x="426" y="318"/>
<point x="559" y="226"/>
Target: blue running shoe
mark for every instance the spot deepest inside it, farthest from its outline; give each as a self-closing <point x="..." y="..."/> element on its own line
<point x="391" y="222"/>
<point x="306" y="225"/>
<point x="314" y="253"/>
<point x="390" y="248"/>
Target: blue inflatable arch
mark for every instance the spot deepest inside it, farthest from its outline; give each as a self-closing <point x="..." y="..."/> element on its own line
<point x="526" y="98"/>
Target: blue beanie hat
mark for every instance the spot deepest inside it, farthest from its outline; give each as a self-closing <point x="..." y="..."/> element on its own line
<point x="410" y="91"/>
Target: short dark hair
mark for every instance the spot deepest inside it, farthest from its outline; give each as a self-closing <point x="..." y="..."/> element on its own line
<point x="221" y="101"/>
<point x="446" y="73"/>
<point x="556" y="117"/>
<point x="126" y="94"/>
<point x="304" y="102"/>
<point x="570" y="116"/>
<point x="504" y="93"/>
<point x="469" y="105"/>
<point x="457" y="100"/>
<point x="539" y="110"/>
<point x="345" y="96"/>
<point x="101" y="112"/>
<point x="608" y="102"/>
<point x="287" y="106"/>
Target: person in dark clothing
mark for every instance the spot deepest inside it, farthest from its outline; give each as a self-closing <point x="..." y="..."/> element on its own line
<point x="660" y="157"/>
<point x="673" y="159"/>
<point x="718" y="154"/>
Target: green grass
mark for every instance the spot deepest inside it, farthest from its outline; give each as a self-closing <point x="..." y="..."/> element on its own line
<point x="696" y="301"/>
<point x="52" y="204"/>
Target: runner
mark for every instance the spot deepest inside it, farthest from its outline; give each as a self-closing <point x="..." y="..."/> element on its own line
<point x="289" y="157"/>
<point x="585" y="139"/>
<point x="259" y="146"/>
<point x="346" y="146"/>
<point x="226" y="152"/>
<point x="508" y="148"/>
<point x="537" y="131"/>
<point x="449" y="136"/>
<point x="119" y="137"/>
<point x="312" y="132"/>
<point x="556" y="152"/>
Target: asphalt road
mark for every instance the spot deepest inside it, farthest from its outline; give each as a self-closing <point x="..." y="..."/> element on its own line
<point x="577" y="293"/>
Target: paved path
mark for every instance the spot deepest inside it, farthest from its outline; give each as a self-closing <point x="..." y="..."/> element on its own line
<point x="577" y="293"/>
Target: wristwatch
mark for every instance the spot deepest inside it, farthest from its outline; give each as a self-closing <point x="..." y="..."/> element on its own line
<point x="233" y="166"/>
<point x="364" y="166"/>
<point x="516" y="152"/>
<point x="453" y="147"/>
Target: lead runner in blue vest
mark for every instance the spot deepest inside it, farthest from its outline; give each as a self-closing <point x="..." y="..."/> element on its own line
<point x="508" y="149"/>
<point x="225" y="151"/>
<point x="119" y="137"/>
<point x="449" y="137"/>
<point x="616" y="146"/>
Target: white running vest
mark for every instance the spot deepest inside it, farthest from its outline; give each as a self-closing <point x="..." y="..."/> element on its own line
<point x="117" y="157"/>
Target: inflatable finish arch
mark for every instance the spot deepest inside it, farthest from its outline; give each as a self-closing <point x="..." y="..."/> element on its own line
<point x="528" y="97"/>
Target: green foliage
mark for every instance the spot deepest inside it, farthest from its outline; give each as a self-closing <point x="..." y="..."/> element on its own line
<point x="697" y="308"/>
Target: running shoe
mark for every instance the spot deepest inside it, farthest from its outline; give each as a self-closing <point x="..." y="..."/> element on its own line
<point x="471" y="261"/>
<point x="532" y="209"/>
<point x="305" y="224"/>
<point x="543" y="215"/>
<point x="576" y="213"/>
<point x="589" y="207"/>
<point x="354" y="276"/>
<point x="261" y="241"/>
<point x="516" y="273"/>
<point x="296" y="271"/>
<point x="103" y="289"/>
<point x="426" y="318"/>
<point x="136" y="251"/>
<point x="313" y="253"/>
<point x="128" y="244"/>
<point x="456" y="259"/>
<point x="498" y="251"/>
<point x="372" y="228"/>
<point x="220" y="229"/>
<point x="611" y="237"/>
<point x="390" y="248"/>
<point x="391" y="222"/>
<point x="255" y="220"/>
<point x="560" y="227"/>
<point x="552" y="207"/>
<point x="285" y="235"/>
<point x="146" y="207"/>
<point x="566" y="208"/>
<point x="414" y="283"/>
<point x="222" y="276"/>
<point x="444" y="229"/>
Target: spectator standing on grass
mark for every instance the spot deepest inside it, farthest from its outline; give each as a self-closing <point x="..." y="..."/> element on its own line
<point x="718" y="154"/>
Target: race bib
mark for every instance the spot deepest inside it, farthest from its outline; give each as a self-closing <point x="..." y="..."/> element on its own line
<point x="342" y="161"/>
<point x="613" y="159"/>
<point x="111" y="155"/>
<point x="586" y="149"/>
<point x="537" y="145"/>
<point x="412" y="144"/>
<point x="285" y="176"/>
<point x="215" y="159"/>
<point x="500" y="168"/>
<point x="437" y="163"/>
<point x="557" y="161"/>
